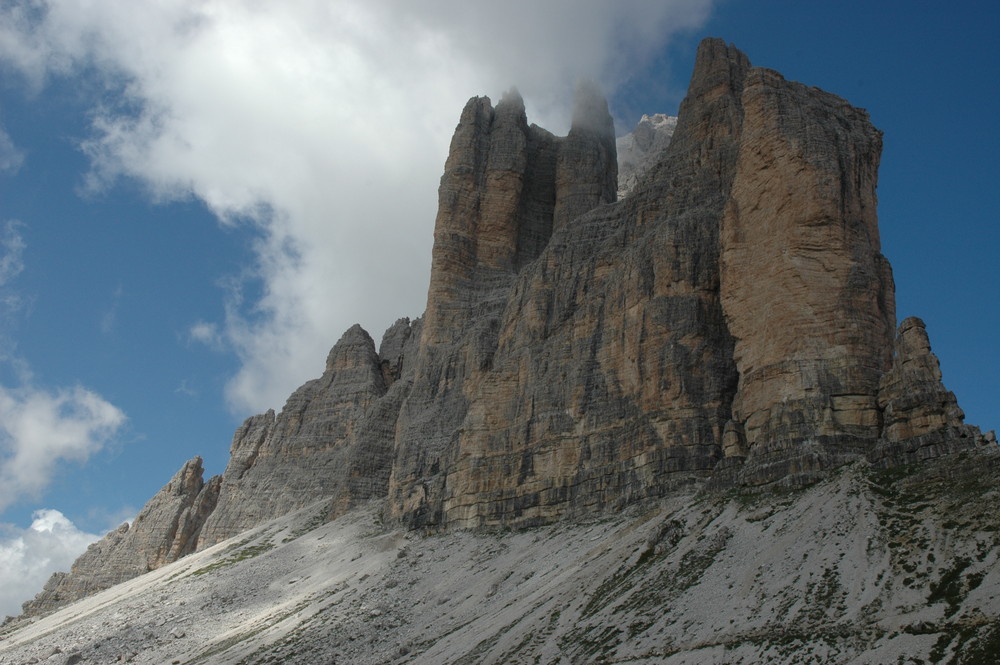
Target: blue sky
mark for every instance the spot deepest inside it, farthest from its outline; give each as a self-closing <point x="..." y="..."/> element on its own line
<point x="198" y="198"/>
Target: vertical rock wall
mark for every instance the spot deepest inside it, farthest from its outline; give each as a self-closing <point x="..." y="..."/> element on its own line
<point x="807" y="294"/>
<point x="505" y="186"/>
<point x="613" y="374"/>
<point x="729" y="321"/>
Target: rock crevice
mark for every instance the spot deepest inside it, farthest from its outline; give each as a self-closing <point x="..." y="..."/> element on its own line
<point x="730" y="322"/>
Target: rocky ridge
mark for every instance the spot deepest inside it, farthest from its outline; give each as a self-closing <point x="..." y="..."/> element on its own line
<point x="165" y="530"/>
<point x="728" y="324"/>
<point x="866" y="567"/>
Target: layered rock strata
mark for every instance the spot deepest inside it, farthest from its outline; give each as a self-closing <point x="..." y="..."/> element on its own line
<point x="807" y="294"/>
<point x="166" y="529"/>
<point x="729" y="322"/>
<point x="333" y="438"/>
<point x="506" y="187"/>
<point x="921" y="418"/>
<point x="610" y="374"/>
<point x="733" y="315"/>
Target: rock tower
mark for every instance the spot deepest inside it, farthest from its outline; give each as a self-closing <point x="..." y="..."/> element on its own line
<point x="731" y="321"/>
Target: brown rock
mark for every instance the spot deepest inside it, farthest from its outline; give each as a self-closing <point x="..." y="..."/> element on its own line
<point x="807" y="294"/>
<point x="921" y="418"/>
<point x="611" y="374"/>
<point x="505" y="184"/>
<point x="729" y="322"/>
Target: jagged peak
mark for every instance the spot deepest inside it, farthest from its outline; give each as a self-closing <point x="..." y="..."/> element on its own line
<point x="478" y="110"/>
<point x="715" y="57"/>
<point x="188" y="478"/>
<point x="568" y="371"/>
<point x="590" y="110"/>
<point x="512" y="98"/>
<point x="354" y="349"/>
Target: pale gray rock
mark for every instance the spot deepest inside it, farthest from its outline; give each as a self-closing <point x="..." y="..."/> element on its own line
<point x="727" y="324"/>
<point x="282" y="462"/>
<point x="398" y="346"/>
<point x="642" y="148"/>
<point x="165" y="530"/>
<point x="866" y="566"/>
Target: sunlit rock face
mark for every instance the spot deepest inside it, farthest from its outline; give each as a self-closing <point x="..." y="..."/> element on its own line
<point x="730" y="319"/>
<point x="729" y="322"/>
<point x="807" y="294"/>
<point x="165" y="530"/>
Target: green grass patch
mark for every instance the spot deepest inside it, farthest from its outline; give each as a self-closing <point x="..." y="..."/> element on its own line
<point x="241" y="555"/>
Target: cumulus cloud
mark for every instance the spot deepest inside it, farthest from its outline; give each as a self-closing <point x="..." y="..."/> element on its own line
<point x="40" y="429"/>
<point x="11" y="264"/>
<point x="320" y="126"/>
<point x="28" y="557"/>
<point x="10" y="157"/>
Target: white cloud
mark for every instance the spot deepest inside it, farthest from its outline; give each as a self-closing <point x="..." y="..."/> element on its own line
<point x="185" y="388"/>
<point x="10" y="157"/>
<point x="322" y="126"/>
<point x="109" y="319"/>
<point x="28" y="557"/>
<point x="40" y="429"/>
<point x="12" y="246"/>
<point x="204" y="332"/>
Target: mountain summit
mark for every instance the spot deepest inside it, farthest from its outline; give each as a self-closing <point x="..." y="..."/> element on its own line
<point x="729" y="325"/>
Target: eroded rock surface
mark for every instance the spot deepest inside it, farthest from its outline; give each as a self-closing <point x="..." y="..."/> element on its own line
<point x="330" y="440"/>
<point x="165" y="530"/>
<point x="807" y="294"/>
<point x="729" y="323"/>
<point x="506" y="187"/>
<point x="608" y="372"/>
<point x="730" y="319"/>
<point x="921" y="417"/>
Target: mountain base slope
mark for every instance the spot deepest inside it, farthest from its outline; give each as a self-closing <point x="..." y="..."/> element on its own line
<point x="867" y="566"/>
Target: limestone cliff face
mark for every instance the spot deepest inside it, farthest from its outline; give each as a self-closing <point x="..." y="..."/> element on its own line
<point x="921" y="417"/>
<point x="166" y="529"/>
<point x="807" y="294"/>
<point x="506" y="187"/>
<point x="731" y="319"/>
<point x="728" y="323"/>
<point x="609" y="375"/>
<point x="332" y="439"/>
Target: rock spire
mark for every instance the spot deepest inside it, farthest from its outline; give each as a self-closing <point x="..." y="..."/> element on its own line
<point x="730" y="322"/>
